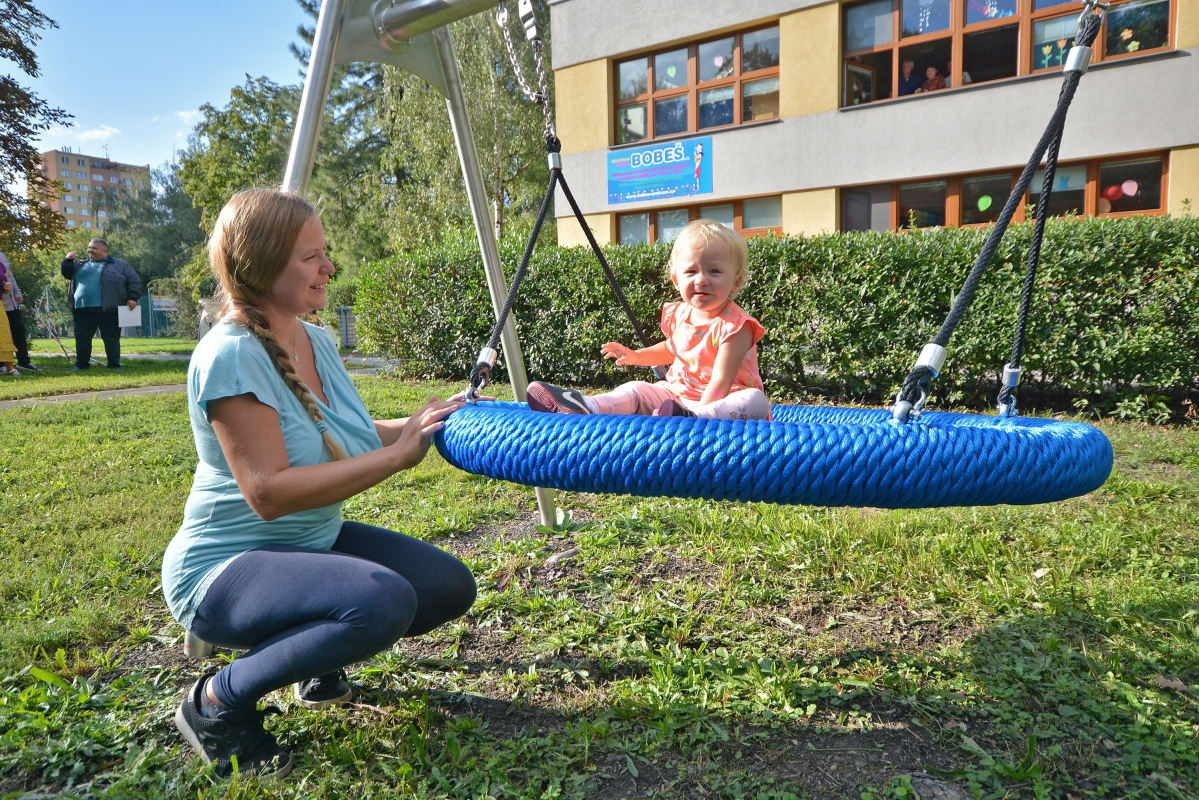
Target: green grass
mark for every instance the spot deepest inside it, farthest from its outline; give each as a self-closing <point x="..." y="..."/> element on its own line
<point x="54" y="377"/>
<point x="692" y="649"/>
<point x="129" y="344"/>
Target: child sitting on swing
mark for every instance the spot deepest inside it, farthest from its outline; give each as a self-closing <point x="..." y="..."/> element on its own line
<point x="710" y="343"/>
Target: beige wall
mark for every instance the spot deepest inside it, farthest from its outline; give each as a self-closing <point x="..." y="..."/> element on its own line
<point x="603" y="227"/>
<point x="810" y="213"/>
<point x="584" y="106"/>
<point x="1187" y="34"/>
<point x="1184" y="180"/>
<point x="810" y="60"/>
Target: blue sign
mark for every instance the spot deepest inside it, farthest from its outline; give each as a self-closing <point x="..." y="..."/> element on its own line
<point x="660" y="171"/>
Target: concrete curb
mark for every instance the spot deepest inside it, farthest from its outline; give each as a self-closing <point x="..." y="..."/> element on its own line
<point x="138" y="391"/>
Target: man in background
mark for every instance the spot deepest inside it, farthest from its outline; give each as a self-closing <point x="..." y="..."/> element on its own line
<point x="98" y="286"/>
<point x="12" y="299"/>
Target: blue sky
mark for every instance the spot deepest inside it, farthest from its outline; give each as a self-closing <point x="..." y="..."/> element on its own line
<point x="134" y="72"/>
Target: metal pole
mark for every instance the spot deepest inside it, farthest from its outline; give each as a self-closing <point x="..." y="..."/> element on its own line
<point x="476" y="192"/>
<point x="316" y="91"/>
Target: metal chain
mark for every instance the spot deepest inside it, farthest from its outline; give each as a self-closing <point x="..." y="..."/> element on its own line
<point x="541" y="96"/>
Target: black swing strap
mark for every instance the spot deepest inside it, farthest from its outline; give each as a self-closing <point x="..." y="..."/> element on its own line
<point x="918" y="384"/>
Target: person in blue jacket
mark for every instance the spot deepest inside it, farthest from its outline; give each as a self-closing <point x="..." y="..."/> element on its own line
<point x="263" y="562"/>
<point x="98" y="286"/>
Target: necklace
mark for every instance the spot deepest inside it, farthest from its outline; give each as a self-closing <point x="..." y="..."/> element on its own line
<point x="295" y="349"/>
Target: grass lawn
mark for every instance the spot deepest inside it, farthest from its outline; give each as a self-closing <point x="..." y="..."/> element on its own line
<point x="691" y="649"/>
<point x="54" y="376"/>
<point x="129" y="344"/>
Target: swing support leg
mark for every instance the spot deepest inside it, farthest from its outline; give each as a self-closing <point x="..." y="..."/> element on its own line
<point x="497" y="285"/>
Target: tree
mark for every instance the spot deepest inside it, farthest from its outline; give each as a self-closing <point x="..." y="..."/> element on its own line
<point x="155" y="228"/>
<point x="424" y="191"/>
<point x="25" y="222"/>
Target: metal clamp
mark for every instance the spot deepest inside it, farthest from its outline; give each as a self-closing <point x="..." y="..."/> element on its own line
<point x="555" y="160"/>
<point x="933" y="357"/>
<point x="905" y="411"/>
<point x="1011" y="376"/>
<point x="482" y="372"/>
<point x="1078" y="59"/>
<point x="1007" y="395"/>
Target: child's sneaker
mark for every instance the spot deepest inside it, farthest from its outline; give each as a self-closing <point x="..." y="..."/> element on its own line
<point x="673" y="408"/>
<point x="555" y="400"/>
<point x="232" y="735"/>
<point x="325" y="691"/>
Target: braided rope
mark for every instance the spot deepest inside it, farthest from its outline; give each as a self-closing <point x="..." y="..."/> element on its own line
<point x="809" y="455"/>
<point x="253" y="320"/>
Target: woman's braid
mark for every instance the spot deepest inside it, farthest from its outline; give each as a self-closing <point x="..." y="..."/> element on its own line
<point x="256" y="323"/>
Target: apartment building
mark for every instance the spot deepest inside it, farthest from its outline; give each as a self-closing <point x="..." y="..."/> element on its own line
<point x="798" y="116"/>
<point x="85" y="181"/>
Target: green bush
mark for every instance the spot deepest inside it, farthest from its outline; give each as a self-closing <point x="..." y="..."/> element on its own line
<point x="1114" y="315"/>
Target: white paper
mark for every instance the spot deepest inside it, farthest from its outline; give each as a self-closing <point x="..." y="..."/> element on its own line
<point x="129" y="317"/>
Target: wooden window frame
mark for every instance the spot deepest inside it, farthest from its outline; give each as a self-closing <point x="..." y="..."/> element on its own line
<point x="1023" y="19"/>
<point x="693" y="214"/>
<point x="693" y="87"/>
<point x="953" y="199"/>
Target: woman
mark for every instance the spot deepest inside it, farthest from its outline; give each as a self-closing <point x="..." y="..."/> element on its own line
<point x="263" y="561"/>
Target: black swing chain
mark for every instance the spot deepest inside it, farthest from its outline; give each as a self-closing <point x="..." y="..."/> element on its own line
<point x="918" y="384"/>
<point x="480" y="374"/>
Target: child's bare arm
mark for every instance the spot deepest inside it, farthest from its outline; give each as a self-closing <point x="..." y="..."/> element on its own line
<point x="729" y="358"/>
<point x="657" y="355"/>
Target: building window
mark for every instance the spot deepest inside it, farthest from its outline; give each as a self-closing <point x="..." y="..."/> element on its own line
<point x="757" y="216"/>
<point x="68" y="198"/>
<point x="68" y="211"/>
<point x="1124" y="185"/>
<point x="83" y="187"/>
<point x="127" y="181"/>
<point x="70" y="223"/>
<point x="66" y="160"/>
<point x="709" y="84"/>
<point x="894" y="48"/>
<point x="113" y="179"/>
<point x="102" y="214"/>
<point x="80" y="162"/>
<point x="87" y="224"/>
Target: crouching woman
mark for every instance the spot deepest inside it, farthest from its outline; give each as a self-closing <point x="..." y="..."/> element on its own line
<point x="263" y="561"/>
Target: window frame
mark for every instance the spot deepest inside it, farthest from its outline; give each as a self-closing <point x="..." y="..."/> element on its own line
<point x="1023" y="19"/>
<point x="953" y="198"/>
<point x="693" y="214"/>
<point x="692" y="88"/>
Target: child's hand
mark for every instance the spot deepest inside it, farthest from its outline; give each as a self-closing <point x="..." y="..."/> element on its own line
<point x="617" y="351"/>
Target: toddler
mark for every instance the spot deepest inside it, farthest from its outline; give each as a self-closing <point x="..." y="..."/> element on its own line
<point x="710" y="343"/>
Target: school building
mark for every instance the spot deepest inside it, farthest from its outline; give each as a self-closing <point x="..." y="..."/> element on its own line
<point x="800" y="116"/>
<point x="85" y="181"/>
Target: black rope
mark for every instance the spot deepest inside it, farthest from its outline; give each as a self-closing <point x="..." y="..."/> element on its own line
<point x="918" y="383"/>
<point x="480" y="374"/>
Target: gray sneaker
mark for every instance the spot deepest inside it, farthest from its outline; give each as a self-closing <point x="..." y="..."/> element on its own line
<point x="554" y="399"/>
<point x="326" y="691"/>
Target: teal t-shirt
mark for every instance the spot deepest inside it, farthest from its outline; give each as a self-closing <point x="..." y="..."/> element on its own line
<point x="218" y="523"/>
<point x="87" y="285"/>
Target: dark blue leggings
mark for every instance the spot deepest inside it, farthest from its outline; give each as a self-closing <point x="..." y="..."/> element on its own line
<point x="302" y="612"/>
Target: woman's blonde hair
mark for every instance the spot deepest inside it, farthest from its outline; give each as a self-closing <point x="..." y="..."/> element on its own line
<point x="700" y="234"/>
<point x="249" y="247"/>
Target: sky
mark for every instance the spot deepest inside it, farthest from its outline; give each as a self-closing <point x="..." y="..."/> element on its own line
<point x="134" y="73"/>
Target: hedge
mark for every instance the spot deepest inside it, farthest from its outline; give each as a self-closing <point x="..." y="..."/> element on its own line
<point x="845" y="314"/>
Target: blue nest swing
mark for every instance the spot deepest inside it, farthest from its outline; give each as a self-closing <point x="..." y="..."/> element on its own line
<point x="808" y="455"/>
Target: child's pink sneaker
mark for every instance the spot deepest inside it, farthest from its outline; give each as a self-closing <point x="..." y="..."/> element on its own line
<point x="555" y="400"/>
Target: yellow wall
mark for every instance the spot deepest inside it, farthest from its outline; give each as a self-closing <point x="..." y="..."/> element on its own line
<point x="1187" y="34"/>
<point x="603" y="226"/>
<point x="1184" y="180"/>
<point x="583" y="106"/>
<point x="810" y="60"/>
<point x="810" y="212"/>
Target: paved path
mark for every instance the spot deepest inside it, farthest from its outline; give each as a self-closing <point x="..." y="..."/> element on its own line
<point x="139" y="391"/>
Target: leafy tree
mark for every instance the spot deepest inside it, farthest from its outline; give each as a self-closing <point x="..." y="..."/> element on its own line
<point x="155" y="228"/>
<point x="25" y="222"/>
<point x="424" y="192"/>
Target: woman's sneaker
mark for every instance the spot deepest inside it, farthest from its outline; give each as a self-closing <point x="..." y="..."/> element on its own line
<point x="554" y="399"/>
<point x="233" y="740"/>
<point x="324" y="692"/>
<point x="673" y="408"/>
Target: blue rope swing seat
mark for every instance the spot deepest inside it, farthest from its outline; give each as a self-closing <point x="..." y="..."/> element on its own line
<point x="812" y="455"/>
<point x="897" y="458"/>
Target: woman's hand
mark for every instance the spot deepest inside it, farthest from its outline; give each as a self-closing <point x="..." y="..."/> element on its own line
<point x="412" y="445"/>
<point x="618" y="351"/>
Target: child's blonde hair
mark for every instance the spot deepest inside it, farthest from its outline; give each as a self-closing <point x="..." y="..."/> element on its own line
<point x="701" y="233"/>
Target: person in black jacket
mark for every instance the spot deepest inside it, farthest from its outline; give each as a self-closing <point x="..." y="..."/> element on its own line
<point x="98" y="286"/>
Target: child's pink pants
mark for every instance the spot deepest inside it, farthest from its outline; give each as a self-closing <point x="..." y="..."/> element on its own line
<point x="639" y="397"/>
